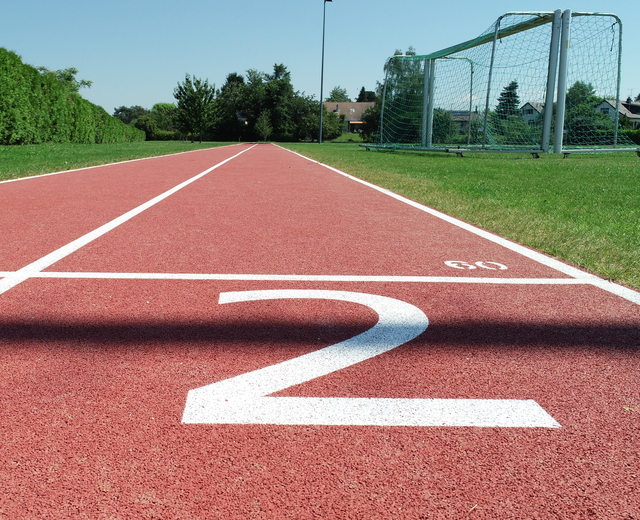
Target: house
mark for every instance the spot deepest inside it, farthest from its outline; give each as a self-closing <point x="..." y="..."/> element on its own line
<point x="531" y="112"/>
<point x="608" y="107"/>
<point x="352" y="112"/>
<point x="461" y="119"/>
<point x="634" y="108"/>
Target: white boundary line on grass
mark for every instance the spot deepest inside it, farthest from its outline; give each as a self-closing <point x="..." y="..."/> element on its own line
<point x="618" y="290"/>
<point x="34" y="268"/>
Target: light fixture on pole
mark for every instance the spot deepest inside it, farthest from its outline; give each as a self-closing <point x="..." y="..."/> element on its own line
<point x="324" y="16"/>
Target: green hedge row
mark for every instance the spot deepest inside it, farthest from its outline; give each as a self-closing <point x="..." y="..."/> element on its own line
<point x="634" y="135"/>
<point x="37" y="108"/>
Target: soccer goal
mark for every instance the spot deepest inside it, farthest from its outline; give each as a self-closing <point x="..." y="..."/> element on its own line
<point x="533" y="82"/>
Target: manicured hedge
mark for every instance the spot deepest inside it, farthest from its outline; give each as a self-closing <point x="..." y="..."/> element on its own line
<point x="634" y="135"/>
<point x="37" y="108"/>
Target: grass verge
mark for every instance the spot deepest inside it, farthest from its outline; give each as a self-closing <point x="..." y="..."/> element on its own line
<point x="584" y="210"/>
<point x="22" y="161"/>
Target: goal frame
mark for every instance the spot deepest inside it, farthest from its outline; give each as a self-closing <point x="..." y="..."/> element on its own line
<point x="556" y="86"/>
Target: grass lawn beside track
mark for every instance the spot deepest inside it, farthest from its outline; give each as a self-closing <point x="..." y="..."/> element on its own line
<point x="584" y="210"/>
<point x="21" y="161"/>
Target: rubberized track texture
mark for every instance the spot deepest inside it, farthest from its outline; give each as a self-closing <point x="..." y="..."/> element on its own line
<point x="243" y="333"/>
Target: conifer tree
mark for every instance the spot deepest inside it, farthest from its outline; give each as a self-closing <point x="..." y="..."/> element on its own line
<point x="508" y="102"/>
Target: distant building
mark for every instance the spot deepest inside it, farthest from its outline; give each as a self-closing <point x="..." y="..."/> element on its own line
<point x="531" y="112"/>
<point x="629" y="110"/>
<point x="351" y="111"/>
<point x="462" y="118"/>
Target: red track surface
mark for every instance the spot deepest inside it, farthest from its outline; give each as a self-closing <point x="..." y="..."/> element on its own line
<point x="96" y="370"/>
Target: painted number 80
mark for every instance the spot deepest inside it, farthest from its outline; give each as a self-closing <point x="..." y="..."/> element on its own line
<point x="493" y="266"/>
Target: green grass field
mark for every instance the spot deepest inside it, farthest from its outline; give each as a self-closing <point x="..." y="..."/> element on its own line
<point x="584" y="210"/>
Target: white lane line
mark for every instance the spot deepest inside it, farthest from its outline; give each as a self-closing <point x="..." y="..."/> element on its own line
<point x="306" y="278"/>
<point x="112" y="164"/>
<point x="358" y="411"/>
<point x="619" y="290"/>
<point x="28" y="271"/>
<point x="244" y="399"/>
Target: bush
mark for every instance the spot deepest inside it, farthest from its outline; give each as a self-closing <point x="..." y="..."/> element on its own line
<point x="634" y="135"/>
<point x="37" y="108"/>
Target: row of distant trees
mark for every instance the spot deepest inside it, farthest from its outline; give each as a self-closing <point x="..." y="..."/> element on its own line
<point x="339" y="95"/>
<point x="253" y="106"/>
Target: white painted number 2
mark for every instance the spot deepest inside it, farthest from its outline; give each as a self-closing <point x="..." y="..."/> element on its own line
<point x="244" y="399"/>
<point x="492" y="266"/>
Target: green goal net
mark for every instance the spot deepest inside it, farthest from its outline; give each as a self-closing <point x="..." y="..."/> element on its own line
<point x="518" y="86"/>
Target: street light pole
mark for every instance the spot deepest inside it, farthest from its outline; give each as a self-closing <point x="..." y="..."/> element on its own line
<point x="324" y="16"/>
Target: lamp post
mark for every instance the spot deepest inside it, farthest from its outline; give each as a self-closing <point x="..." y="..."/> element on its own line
<point x="324" y="16"/>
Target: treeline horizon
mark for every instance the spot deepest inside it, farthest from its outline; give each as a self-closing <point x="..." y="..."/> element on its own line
<point x="249" y="107"/>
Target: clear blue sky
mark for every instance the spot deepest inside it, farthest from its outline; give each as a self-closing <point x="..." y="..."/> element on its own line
<point x="136" y="51"/>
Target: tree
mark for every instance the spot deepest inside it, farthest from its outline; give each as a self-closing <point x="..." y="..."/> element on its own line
<point x="232" y="121"/>
<point x="68" y="78"/>
<point x="128" y="115"/>
<point x="306" y="118"/>
<point x="443" y="126"/>
<point x="584" y="124"/>
<point x="263" y="125"/>
<point x="581" y="93"/>
<point x="508" y="102"/>
<point x="148" y="125"/>
<point x="160" y="124"/>
<point x="338" y="95"/>
<point x="404" y="89"/>
<point x="366" y="96"/>
<point x="637" y="98"/>
<point x="278" y="99"/>
<point x="195" y="110"/>
<point x="371" y="122"/>
<point x="164" y="114"/>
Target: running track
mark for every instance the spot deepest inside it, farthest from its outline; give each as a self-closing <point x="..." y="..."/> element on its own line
<point x="242" y="333"/>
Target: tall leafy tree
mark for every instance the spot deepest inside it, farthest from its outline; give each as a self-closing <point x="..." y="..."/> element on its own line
<point x="232" y="119"/>
<point x="279" y="97"/>
<point x="263" y="125"/>
<point x="404" y="97"/>
<point x="68" y="78"/>
<point x="338" y="95"/>
<point x="164" y="115"/>
<point x="585" y="124"/>
<point x="581" y="93"/>
<point x="128" y="115"/>
<point x="195" y="105"/>
<point x="160" y="123"/>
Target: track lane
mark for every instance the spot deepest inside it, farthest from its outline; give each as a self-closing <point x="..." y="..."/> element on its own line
<point x="42" y="214"/>
<point x="96" y="373"/>
<point x="273" y="212"/>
